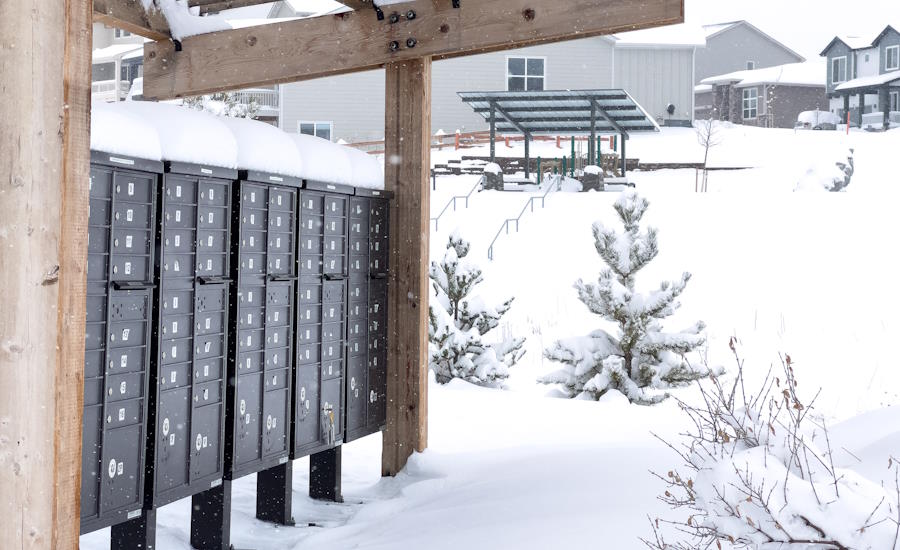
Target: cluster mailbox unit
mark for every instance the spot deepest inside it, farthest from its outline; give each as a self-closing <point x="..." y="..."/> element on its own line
<point x="236" y="321"/>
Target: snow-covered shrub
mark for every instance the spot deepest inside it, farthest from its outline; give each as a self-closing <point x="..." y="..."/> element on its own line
<point x="640" y="357"/>
<point x="457" y="323"/>
<point x="758" y="473"/>
<point x="224" y="104"/>
<point x="824" y="176"/>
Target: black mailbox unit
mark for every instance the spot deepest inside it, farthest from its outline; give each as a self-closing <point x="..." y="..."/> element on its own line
<point x="186" y="422"/>
<point x="121" y="243"/>
<point x="367" y="314"/>
<point x="261" y="357"/>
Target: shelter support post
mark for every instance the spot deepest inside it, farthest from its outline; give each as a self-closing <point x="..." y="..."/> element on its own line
<point x="624" y="157"/>
<point x="846" y="114"/>
<point x="407" y="146"/>
<point x="593" y="142"/>
<point x="44" y="193"/>
<point x="527" y="157"/>
<point x="493" y="132"/>
<point x="884" y="103"/>
<point x="861" y="110"/>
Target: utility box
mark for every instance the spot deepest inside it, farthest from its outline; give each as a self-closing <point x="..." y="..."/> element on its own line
<point x="321" y="319"/>
<point x="366" y="380"/>
<point x="261" y="360"/>
<point x="121" y="249"/>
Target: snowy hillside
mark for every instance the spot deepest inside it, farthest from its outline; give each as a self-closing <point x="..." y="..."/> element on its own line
<point x="812" y="274"/>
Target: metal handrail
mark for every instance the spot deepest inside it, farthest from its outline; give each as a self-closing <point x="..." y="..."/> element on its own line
<point x="453" y="202"/>
<point x="554" y="186"/>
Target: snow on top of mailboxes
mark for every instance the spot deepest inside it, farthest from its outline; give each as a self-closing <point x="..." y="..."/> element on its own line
<point x="162" y="131"/>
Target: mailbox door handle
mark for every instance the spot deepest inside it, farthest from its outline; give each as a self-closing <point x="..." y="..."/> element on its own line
<point x="213" y="280"/>
<point x="133" y="285"/>
<point x="335" y="276"/>
<point x="378" y="276"/>
<point x="282" y="278"/>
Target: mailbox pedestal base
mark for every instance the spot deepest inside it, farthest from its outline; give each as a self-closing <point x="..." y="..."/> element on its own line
<point x="274" y="494"/>
<point x="211" y="518"/>
<point x="139" y="532"/>
<point x="325" y="475"/>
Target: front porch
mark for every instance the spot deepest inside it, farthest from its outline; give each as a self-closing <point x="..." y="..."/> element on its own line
<point x="885" y="86"/>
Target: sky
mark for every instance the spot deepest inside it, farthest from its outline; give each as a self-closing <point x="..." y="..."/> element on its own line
<point x="805" y="26"/>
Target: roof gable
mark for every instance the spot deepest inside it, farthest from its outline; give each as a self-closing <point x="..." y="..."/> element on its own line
<point x="721" y="28"/>
<point x="887" y="30"/>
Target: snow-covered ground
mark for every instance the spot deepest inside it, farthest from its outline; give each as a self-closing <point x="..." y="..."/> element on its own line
<point x="809" y="274"/>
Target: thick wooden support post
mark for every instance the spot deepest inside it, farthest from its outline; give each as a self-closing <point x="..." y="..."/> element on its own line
<point x="45" y="80"/>
<point x="408" y="158"/>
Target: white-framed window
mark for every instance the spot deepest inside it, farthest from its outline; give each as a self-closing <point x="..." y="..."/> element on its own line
<point x="122" y="33"/>
<point x="316" y="128"/>
<point x="751" y="65"/>
<point x="895" y="101"/>
<point x="525" y="73"/>
<point x="839" y="70"/>
<point x="892" y="58"/>
<point x="750" y="103"/>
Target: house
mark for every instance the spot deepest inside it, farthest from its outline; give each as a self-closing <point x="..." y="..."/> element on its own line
<point x="770" y="97"/>
<point x="655" y="66"/>
<point x="739" y="46"/>
<point x="863" y="77"/>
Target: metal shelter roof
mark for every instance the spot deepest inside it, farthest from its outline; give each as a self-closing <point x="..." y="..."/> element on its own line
<point x="562" y="111"/>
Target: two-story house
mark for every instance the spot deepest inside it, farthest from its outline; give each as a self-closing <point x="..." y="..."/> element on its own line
<point x="864" y="77"/>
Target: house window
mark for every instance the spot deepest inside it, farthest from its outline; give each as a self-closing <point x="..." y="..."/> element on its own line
<point x="892" y="58"/>
<point x="750" y="103"/>
<point x="525" y="73"/>
<point x="122" y="34"/>
<point x="751" y="65"/>
<point x="838" y="70"/>
<point x="318" y="129"/>
<point x="895" y="101"/>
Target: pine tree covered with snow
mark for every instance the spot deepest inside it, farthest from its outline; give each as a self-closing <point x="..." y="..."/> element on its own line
<point x="457" y="323"/>
<point x="641" y="356"/>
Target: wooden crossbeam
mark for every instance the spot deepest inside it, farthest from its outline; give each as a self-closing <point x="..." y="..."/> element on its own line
<point x="130" y="15"/>
<point x="216" y="6"/>
<point x="357" y="4"/>
<point x="353" y="41"/>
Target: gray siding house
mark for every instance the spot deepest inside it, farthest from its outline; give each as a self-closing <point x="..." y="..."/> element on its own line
<point x="656" y="66"/>
<point x="739" y="46"/>
<point x="860" y="75"/>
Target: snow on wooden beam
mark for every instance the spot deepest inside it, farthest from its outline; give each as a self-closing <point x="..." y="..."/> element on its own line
<point x="357" y="4"/>
<point x="130" y="15"/>
<point x="356" y="41"/>
<point x="215" y="6"/>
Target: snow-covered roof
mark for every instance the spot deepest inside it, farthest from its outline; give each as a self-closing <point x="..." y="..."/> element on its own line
<point x="162" y="131"/>
<point x="811" y="73"/>
<point x="869" y="81"/>
<point x="682" y="35"/>
<point x="702" y="88"/>
<point x="116" y="51"/>
<point x="716" y="28"/>
<point x="860" y="40"/>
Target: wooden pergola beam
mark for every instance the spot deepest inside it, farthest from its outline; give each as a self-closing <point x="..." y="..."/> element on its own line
<point x="129" y="15"/>
<point x="353" y="41"/>
<point x="357" y="4"/>
<point x="215" y="6"/>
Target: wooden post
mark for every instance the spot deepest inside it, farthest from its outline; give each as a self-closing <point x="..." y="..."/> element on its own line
<point x="44" y="171"/>
<point x="493" y="124"/>
<point x="408" y="158"/>
<point x="862" y="109"/>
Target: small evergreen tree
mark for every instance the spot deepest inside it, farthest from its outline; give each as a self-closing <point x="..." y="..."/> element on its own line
<point x="224" y="104"/>
<point x="457" y="323"/>
<point x="641" y="356"/>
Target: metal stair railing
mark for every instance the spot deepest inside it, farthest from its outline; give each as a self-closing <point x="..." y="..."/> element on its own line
<point x="555" y="185"/>
<point x="452" y="202"/>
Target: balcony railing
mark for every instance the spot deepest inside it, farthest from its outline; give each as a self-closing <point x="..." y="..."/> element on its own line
<point x="105" y="90"/>
<point x="266" y="99"/>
